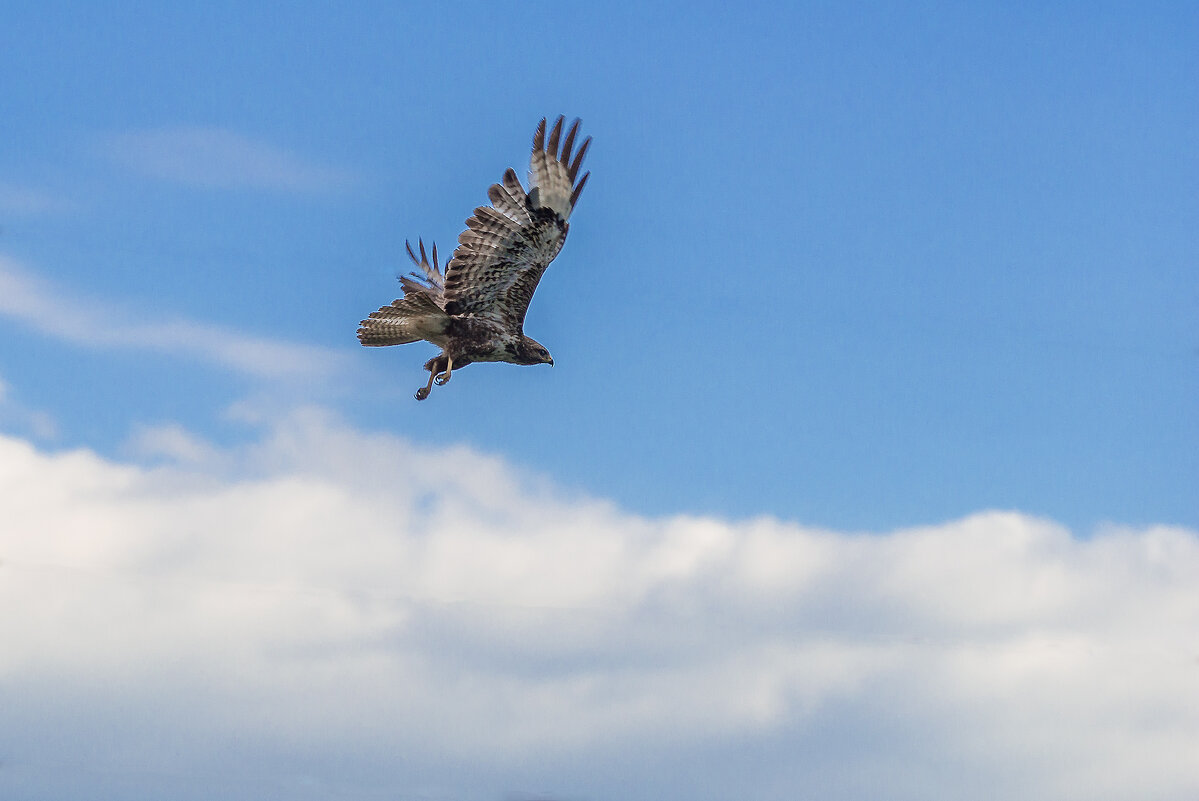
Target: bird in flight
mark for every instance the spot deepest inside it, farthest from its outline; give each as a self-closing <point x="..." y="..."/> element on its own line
<point x="475" y="310"/>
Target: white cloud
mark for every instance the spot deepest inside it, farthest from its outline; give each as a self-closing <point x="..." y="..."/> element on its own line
<point x="220" y="159"/>
<point x="59" y="314"/>
<point x="330" y="613"/>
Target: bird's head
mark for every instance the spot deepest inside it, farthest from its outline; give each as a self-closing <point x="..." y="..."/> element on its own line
<point x="530" y="351"/>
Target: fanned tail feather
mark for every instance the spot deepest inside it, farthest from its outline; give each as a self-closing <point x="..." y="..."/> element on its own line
<point x="420" y="314"/>
<point x="402" y="322"/>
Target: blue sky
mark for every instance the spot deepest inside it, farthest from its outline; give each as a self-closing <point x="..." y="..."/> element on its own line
<point x="845" y="267"/>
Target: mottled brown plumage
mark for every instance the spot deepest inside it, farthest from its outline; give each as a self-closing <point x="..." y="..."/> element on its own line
<point x="475" y="310"/>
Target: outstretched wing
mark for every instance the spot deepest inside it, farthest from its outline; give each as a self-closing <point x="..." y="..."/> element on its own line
<point x="507" y="246"/>
<point x="420" y="314"/>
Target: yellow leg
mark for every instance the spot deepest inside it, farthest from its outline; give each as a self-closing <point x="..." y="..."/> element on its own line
<point x="444" y="378"/>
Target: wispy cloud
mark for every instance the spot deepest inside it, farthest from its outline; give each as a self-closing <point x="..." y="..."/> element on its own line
<point x="222" y="159"/>
<point x="367" y="618"/>
<point x="29" y="201"/>
<point x="85" y="321"/>
<point x="18" y="416"/>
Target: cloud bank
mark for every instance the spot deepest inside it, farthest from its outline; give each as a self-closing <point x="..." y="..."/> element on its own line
<point x="330" y="613"/>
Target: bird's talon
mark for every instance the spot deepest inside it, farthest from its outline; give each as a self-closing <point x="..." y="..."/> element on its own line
<point x="422" y="393"/>
<point x="442" y="379"/>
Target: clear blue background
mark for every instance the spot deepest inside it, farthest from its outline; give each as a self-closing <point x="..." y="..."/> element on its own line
<point x="857" y="265"/>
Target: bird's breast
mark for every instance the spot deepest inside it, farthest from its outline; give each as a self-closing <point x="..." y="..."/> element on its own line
<point x="481" y="340"/>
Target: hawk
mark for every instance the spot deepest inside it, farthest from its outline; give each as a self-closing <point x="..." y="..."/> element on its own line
<point x="475" y="310"/>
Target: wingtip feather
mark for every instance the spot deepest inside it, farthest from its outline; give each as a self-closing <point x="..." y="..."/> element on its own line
<point x="578" y="162"/>
<point x="568" y="145"/>
<point x="555" y="135"/>
<point x="578" y="190"/>
<point x="539" y="136"/>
